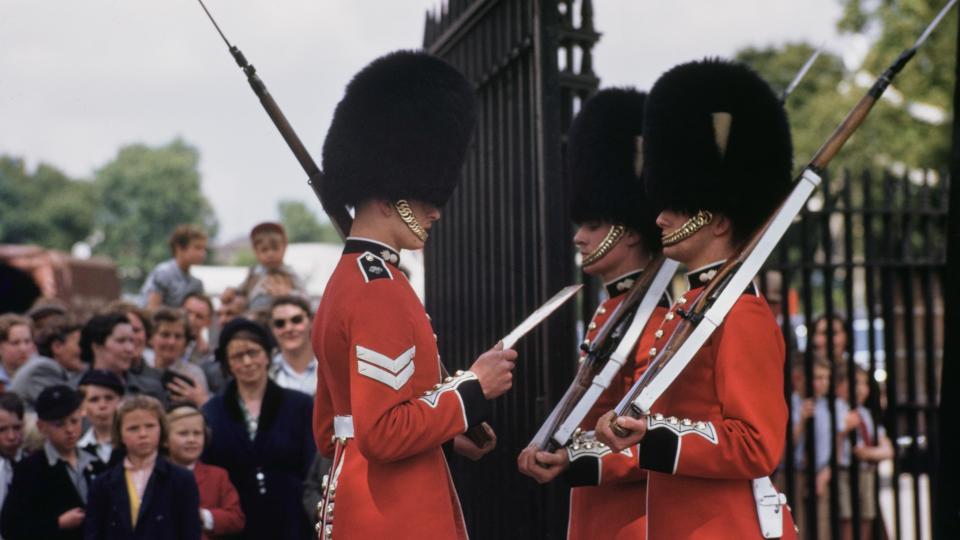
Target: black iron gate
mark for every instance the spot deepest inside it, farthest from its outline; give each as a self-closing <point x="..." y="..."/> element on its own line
<point x="868" y="257"/>
<point x="868" y="252"/>
<point x="503" y="245"/>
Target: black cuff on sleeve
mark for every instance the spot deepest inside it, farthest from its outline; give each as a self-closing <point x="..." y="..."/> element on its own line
<point x="658" y="450"/>
<point x="475" y="407"/>
<point x="584" y="471"/>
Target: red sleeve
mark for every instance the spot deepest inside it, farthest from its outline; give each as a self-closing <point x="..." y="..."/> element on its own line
<point x="323" y="417"/>
<point x="393" y="421"/>
<point x="593" y="463"/>
<point x="747" y="441"/>
<point x="228" y="517"/>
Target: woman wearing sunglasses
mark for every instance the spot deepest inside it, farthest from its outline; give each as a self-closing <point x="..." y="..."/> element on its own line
<point x="294" y="367"/>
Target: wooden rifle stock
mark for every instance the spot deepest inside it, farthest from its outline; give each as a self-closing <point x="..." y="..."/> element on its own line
<point x="821" y="159"/>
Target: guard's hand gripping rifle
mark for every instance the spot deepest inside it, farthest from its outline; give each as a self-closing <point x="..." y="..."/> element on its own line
<point x="708" y="310"/>
<point x="616" y="339"/>
<point x="606" y="355"/>
<point x="339" y="216"/>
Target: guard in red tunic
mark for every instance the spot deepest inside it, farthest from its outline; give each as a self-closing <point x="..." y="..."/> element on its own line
<point x="615" y="241"/>
<point x="718" y="158"/>
<point x="394" y="153"/>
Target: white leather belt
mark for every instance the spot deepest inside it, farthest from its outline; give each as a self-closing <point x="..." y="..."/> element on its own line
<point x="343" y="427"/>
<point x="769" y="507"/>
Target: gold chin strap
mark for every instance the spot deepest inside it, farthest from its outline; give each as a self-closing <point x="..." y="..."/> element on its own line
<point x="687" y="230"/>
<point x="406" y="214"/>
<point x="613" y="236"/>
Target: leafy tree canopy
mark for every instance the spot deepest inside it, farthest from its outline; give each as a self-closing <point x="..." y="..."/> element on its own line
<point x="302" y="224"/>
<point x="43" y="207"/>
<point x="895" y="132"/>
<point x="144" y="193"/>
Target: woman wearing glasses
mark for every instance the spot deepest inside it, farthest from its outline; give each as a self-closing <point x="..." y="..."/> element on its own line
<point x="294" y="367"/>
<point x="261" y="435"/>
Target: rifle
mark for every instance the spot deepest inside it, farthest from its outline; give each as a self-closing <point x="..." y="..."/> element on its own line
<point x="708" y="310"/>
<point x="339" y="216"/>
<point x="616" y="339"/>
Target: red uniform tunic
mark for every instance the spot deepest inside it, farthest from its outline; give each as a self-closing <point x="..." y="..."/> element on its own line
<point x="378" y="363"/>
<point x="609" y="485"/>
<point x="720" y="425"/>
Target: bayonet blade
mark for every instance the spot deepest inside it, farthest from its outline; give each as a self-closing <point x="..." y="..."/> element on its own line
<point x="539" y="315"/>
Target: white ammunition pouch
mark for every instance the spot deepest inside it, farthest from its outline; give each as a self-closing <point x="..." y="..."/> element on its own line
<point x="343" y="427"/>
<point x="769" y="507"/>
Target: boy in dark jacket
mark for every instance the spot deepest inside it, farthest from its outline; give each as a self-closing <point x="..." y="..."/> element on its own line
<point x="49" y="489"/>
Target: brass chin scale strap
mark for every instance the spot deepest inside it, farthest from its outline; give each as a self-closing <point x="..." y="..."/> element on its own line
<point x="694" y="224"/>
<point x="406" y="214"/>
<point x="616" y="232"/>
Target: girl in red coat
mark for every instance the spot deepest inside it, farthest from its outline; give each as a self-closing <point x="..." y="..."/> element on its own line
<point x="220" y="510"/>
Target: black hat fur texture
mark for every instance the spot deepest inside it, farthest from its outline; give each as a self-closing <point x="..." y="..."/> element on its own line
<point x="400" y="132"/>
<point x="686" y="169"/>
<point x="602" y="153"/>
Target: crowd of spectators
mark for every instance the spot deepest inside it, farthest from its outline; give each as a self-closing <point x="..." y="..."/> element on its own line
<point x="164" y="418"/>
<point x="830" y="425"/>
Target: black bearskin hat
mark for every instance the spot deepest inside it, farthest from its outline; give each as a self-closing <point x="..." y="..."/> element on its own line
<point x="692" y="111"/>
<point x="602" y="153"/>
<point x="400" y="132"/>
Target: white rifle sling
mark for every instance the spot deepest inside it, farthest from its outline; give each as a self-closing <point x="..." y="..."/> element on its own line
<point x="731" y="292"/>
<point x="623" y="351"/>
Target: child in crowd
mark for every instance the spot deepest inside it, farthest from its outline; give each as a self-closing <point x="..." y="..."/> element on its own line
<point x="16" y="346"/>
<point x="146" y="492"/>
<point x="220" y="510"/>
<point x="873" y="446"/>
<point x="199" y="310"/>
<point x="269" y="277"/>
<point x="233" y="304"/>
<point x="49" y="490"/>
<point x="101" y="391"/>
<point x="184" y="381"/>
<point x="11" y="439"/>
<point x="57" y="360"/>
<point x="818" y="408"/>
<point x="170" y="282"/>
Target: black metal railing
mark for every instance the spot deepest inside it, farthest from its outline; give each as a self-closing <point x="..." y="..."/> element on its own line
<point x="869" y="252"/>
<point x="503" y="246"/>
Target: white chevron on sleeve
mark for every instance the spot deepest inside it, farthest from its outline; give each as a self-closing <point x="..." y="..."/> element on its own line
<point x="393" y="372"/>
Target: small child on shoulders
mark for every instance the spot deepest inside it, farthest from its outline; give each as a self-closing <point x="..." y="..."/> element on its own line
<point x="270" y="277"/>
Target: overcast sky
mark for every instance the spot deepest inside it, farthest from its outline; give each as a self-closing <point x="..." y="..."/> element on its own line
<point x="80" y="79"/>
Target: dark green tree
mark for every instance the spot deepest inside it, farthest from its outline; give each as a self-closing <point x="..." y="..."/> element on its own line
<point x="44" y="207"/>
<point x="895" y="133"/>
<point x="144" y="193"/>
<point x="302" y="224"/>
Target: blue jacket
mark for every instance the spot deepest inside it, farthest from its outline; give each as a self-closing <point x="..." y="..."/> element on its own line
<point x="268" y="471"/>
<point x="170" y="509"/>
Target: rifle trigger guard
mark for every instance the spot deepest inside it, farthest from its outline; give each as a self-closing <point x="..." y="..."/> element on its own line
<point x="695" y="318"/>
